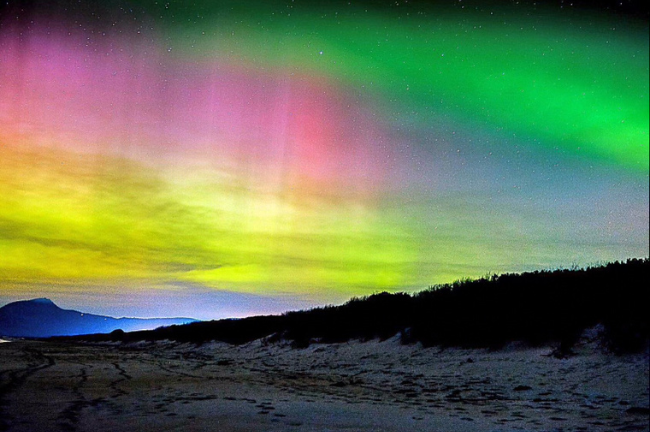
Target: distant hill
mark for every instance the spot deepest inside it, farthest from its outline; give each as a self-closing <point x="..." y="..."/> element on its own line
<point x="41" y="318"/>
<point x="536" y="308"/>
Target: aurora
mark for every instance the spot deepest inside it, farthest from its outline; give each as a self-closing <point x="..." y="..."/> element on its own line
<point x="231" y="158"/>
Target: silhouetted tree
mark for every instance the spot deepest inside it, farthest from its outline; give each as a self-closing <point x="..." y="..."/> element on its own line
<point x="537" y="307"/>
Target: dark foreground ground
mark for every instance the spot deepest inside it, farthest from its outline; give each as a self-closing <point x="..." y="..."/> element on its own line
<point x="371" y="386"/>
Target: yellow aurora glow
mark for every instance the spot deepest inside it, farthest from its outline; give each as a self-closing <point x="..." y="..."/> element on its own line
<point x="138" y="164"/>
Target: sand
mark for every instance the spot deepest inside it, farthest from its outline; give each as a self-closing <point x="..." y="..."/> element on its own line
<point x="371" y="386"/>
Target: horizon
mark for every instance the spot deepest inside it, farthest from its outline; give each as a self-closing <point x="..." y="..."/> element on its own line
<point x="572" y="267"/>
<point x="72" y="309"/>
<point x="228" y="159"/>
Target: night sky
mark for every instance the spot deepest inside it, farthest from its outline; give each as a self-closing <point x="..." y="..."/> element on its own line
<point x="226" y="158"/>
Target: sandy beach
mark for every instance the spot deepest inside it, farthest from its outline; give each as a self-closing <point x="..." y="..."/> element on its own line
<point x="355" y="386"/>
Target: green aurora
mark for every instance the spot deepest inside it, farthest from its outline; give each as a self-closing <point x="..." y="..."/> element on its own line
<point x="231" y="158"/>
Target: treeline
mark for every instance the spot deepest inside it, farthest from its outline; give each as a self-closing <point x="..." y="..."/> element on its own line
<point x="536" y="308"/>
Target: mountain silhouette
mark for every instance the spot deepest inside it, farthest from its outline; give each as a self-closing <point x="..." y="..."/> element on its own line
<point x="42" y="318"/>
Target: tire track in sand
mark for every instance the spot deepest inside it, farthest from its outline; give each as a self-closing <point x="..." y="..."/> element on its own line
<point x="18" y="377"/>
<point x="124" y="377"/>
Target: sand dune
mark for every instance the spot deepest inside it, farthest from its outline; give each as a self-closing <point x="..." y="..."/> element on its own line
<point x="372" y="386"/>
